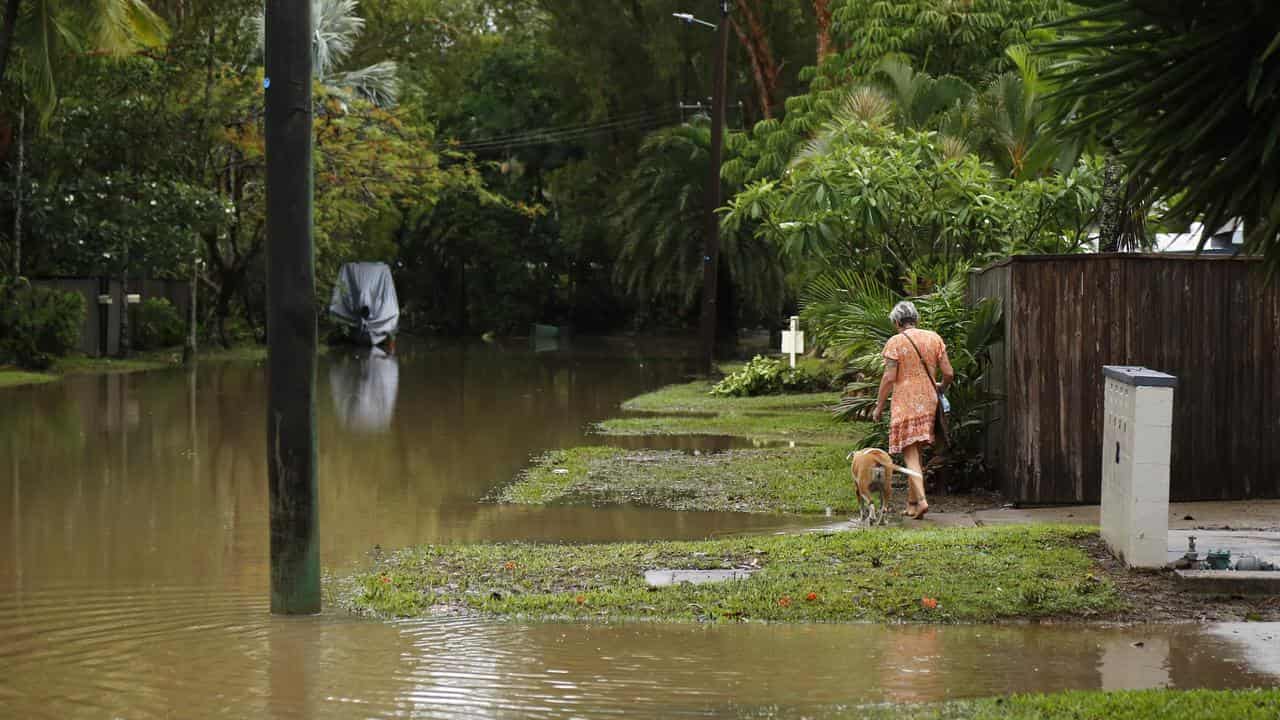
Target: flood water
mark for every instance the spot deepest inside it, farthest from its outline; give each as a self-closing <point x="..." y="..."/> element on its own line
<point x="133" y="563"/>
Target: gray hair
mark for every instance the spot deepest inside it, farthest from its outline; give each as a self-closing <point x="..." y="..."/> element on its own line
<point x="904" y="313"/>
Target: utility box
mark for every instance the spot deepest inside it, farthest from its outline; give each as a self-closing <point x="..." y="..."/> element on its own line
<point x="1137" y="437"/>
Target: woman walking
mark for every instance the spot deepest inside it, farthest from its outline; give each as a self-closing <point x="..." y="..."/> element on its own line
<point x="912" y="358"/>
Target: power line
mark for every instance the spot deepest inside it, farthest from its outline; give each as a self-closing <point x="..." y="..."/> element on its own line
<point x="560" y="128"/>
<point x="539" y="137"/>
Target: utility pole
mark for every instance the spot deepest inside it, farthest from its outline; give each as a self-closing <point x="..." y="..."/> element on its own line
<point x="291" y="315"/>
<point x="711" y="250"/>
<point x="17" y="189"/>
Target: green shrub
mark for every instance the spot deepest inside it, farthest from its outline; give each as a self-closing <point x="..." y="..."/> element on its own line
<point x="849" y="314"/>
<point x="37" y="324"/>
<point x="766" y="376"/>
<point x="159" y="325"/>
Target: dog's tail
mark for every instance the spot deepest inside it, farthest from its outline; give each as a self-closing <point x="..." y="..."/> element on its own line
<point x="908" y="471"/>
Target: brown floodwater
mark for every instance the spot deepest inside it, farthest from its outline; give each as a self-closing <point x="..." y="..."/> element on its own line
<point x="133" y="562"/>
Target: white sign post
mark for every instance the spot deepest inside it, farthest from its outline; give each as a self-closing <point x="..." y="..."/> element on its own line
<point x="793" y="340"/>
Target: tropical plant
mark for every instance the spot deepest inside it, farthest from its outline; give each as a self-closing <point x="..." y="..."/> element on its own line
<point x="771" y="376"/>
<point x="917" y="96"/>
<point x="850" y="313"/>
<point x="1018" y="126"/>
<point x="37" y="324"/>
<point x="961" y="38"/>
<point x="159" y="325"/>
<point x="1193" y="91"/>
<point x="660" y="220"/>
<point x="49" y="32"/>
<point x="335" y="28"/>
<point x="871" y="198"/>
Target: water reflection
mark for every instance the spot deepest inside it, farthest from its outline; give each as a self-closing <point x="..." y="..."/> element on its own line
<point x="133" y="569"/>
<point x="176" y="651"/>
<point x="363" y="383"/>
<point x="160" y="477"/>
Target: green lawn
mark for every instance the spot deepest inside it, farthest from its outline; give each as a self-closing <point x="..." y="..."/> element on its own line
<point x="81" y="365"/>
<point x="12" y="377"/>
<point x="1131" y="705"/>
<point x="954" y="575"/>
<point x="810" y="426"/>
<point x="795" y="480"/>
<point x="140" y="362"/>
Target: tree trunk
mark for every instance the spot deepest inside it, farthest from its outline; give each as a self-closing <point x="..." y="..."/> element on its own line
<point x="17" y="188"/>
<point x="822" y="9"/>
<point x="6" y="33"/>
<point x="754" y="37"/>
<point x="727" y="316"/>
<point x="222" y="310"/>
<point x="126" y="328"/>
<point x="1112" y="202"/>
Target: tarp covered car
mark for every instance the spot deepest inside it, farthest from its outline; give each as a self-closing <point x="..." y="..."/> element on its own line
<point x="364" y="301"/>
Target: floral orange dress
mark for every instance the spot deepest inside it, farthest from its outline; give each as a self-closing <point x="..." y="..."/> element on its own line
<point x="915" y="396"/>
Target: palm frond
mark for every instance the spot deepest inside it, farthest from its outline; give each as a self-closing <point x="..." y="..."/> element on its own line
<point x="1194" y="89"/>
<point x="378" y="83"/>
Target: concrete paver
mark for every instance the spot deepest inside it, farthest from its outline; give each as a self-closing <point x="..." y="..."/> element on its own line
<point x="663" y="578"/>
<point x="1244" y="515"/>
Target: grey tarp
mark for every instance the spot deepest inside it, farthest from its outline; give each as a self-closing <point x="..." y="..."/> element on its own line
<point x="364" y="299"/>
<point x="364" y="383"/>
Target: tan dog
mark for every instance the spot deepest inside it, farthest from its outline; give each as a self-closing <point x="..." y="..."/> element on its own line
<point x="863" y="467"/>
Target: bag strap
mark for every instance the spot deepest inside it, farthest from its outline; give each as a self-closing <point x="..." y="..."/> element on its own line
<point x="921" y="356"/>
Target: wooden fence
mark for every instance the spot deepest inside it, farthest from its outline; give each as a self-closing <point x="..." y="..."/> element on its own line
<point x="1211" y="321"/>
<point x="100" y="332"/>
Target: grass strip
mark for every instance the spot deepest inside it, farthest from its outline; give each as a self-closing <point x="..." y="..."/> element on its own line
<point x="810" y="426"/>
<point x="695" y="398"/>
<point x="794" y="480"/>
<point x="1082" y="705"/>
<point x="140" y="362"/>
<point x="947" y="575"/>
<point x="11" y="377"/>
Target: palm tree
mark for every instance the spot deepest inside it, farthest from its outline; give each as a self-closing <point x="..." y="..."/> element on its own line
<point x="918" y="96"/>
<point x="1018" y="124"/>
<point x="1194" y="90"/>
<point x="659" y="219"/>
<point x="336" y="27"/>
<point x="49" y="31"/>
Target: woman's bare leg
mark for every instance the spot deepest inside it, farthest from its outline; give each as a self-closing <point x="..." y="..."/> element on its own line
<point x="915" y="485"/>
<point x="912" y="498"/>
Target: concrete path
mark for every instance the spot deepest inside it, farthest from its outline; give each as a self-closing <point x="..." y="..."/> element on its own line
<point x="1251" y="515"/>
<point x="1244" y="528"/>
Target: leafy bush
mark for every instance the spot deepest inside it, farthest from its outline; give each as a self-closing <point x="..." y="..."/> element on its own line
<point x="767" y="376"/>
<point x="37" y="324"/>
<point x="850" y="315"/>
<point x="158" y="326"/>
